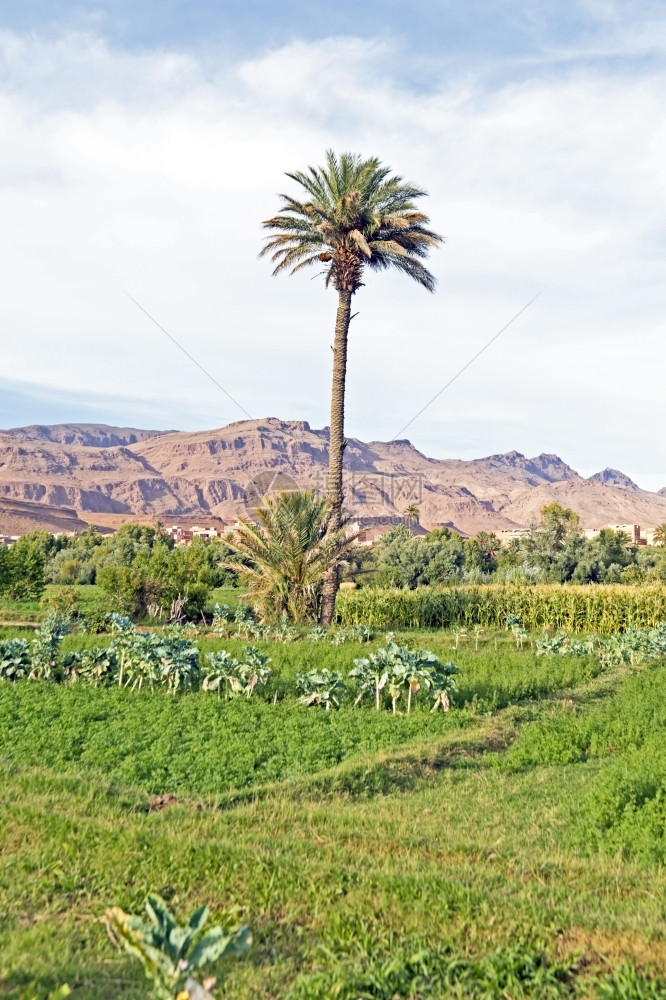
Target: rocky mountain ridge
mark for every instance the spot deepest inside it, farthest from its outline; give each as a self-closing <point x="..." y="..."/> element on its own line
<point x="115" y="474"/>
<point x="89" y="435"/>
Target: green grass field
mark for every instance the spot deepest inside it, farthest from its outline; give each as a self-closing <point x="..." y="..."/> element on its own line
<point x="85" y="598"/>
<point x="512" y="848"/>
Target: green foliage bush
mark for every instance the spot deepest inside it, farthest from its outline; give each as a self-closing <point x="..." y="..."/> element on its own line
<point x="22" y="569"/>
<point x="138" y="567"/>
<point x="554" y="552"/>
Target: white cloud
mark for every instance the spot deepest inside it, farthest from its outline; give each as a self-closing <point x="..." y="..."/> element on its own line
<point x="151" y="172"/>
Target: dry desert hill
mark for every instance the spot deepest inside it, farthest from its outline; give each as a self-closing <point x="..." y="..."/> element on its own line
<point x="60" y="477"/>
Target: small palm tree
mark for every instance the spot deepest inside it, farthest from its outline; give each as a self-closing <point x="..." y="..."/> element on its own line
<point x="412" y="515"/>
<point x="659" y="537"/>
<point x="288" y="554"/>
<point x="489" y="543"/>
<point x="355" y="215"/>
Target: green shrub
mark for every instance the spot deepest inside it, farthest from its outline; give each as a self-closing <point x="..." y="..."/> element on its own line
<point x="22" y="570"/>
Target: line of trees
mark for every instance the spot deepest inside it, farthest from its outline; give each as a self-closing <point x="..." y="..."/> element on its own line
<point x="284" y="560"/>
<point x="554" y="551"/>
<point x="138" y="567"/>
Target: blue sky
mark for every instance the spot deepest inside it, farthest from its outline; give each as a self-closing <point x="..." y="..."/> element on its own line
<point x="476" y="26"/>
<point x="143" y="144"/>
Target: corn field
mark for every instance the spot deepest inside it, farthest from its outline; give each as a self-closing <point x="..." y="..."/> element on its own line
<point x="585" y="608"/>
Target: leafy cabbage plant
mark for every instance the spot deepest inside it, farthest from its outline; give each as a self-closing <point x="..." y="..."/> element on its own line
<point x="224" y="672"/>
<point x="170" y="953"/>
<point x="321" y="687"/>
<point x="396" y="668"/>
<point x="14" y="659"/>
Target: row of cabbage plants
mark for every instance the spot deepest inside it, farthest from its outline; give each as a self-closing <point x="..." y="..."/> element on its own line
<point x="241" y="624"/>
<point x="139" y="659"/>
<point x="392" y="670"/>
<point x="631" y="647"/>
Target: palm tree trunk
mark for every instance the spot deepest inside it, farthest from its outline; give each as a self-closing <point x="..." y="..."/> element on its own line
<point x="336" y="445"/>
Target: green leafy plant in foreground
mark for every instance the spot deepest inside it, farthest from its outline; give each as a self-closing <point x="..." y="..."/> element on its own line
<point x="224" y="671"/>
<point x="394" y="667"/>
<point x="170" y="953"/>
<point x="253" y="669"/>
<point x="321" y="687"/>
<point x="44" y="648"/>
<point x="220" y="673"/>
<point x="95" y="665"/>
<point x="562" y="644"/>
<point x="14" y="659"/>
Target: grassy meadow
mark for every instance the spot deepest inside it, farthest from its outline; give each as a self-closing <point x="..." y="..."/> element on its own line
<point x="513" y="847"/>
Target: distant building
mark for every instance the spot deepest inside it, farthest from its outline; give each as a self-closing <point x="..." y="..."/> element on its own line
<point x="509" y="534"/>
<point x="371" y="529"/>
<point x="183" y="536"/>
<point x="230" y="528"/>
<point x="198" y="532"/>
<point x="633" y="531"/>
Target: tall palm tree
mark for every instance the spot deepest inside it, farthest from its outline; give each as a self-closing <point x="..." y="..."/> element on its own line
<point x="288" y="553"/>
<point x="355" y="215"/>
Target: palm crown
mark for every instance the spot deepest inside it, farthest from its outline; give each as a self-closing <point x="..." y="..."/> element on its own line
<point x="356" y="216"/>
<point x="288" y="553"/>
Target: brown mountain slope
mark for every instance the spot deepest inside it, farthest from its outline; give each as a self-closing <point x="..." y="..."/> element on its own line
<point x="17" y="517"/>
<point x="88" y="479"/>
<point x="596" y="504"/>
<point x="613" y="477"/>
<point x="225" y="472"/>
